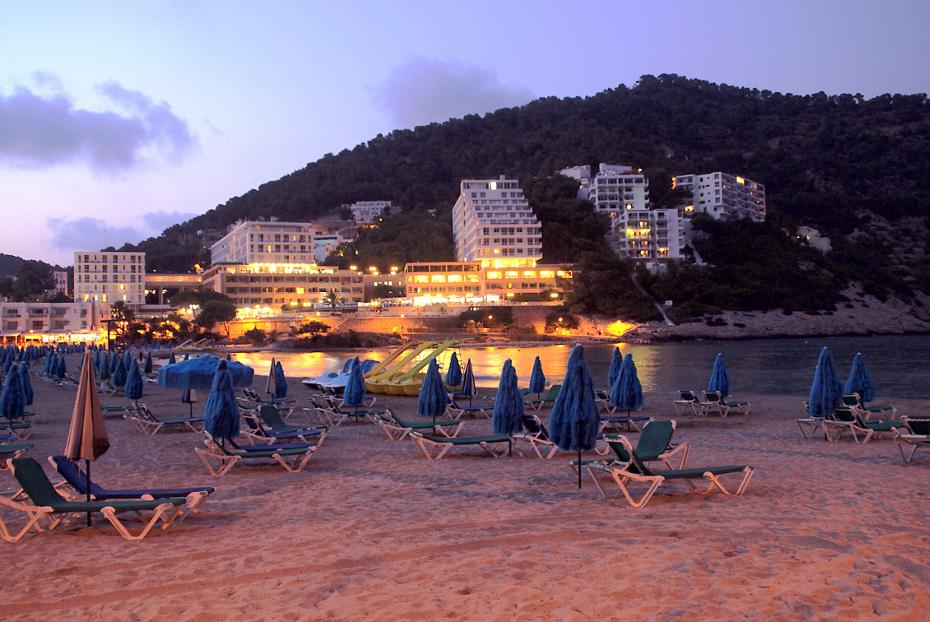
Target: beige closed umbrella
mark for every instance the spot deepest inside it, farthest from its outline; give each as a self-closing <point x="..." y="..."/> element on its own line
<point x="87" y="436"/>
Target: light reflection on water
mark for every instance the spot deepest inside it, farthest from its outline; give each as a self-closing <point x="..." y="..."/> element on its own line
<point x="898" y="364"/>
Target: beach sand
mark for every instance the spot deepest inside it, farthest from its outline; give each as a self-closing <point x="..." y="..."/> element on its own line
<point x="371" y="530"/>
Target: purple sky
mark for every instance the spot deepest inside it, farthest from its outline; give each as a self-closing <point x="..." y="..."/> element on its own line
<point x="119" y="119"/>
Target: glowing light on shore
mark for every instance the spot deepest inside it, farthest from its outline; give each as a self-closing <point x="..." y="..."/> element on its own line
<point x="619" y="328"/>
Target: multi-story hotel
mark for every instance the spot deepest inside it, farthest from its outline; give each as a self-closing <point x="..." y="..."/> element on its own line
<point x="276" y="285"/>
<point x="492" y="223"/>
<point x="723" y="196"/>
<point x="367" y="212"/>
<point x="469" y="282"/>
<point x="61" y="282"/>
<point x="637" y="230"/>
<point x="109" y="277"/>
<point x="49" y="322"/>
<point x="265" y="242"/>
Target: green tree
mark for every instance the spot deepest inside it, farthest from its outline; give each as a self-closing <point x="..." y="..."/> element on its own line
<point x="332" y="298"/>
<point x="33" y="280"/>
<point x="214" y="312"/>
<point x="6" y="286"/>
<point x="313" y="327"/>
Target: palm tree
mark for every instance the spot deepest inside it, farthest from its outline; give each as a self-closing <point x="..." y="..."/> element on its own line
<point x="332" y="298"/>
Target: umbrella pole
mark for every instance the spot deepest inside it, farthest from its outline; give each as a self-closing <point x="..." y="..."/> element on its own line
<point x="579" y="468"/>
<point x="87" y="473"/>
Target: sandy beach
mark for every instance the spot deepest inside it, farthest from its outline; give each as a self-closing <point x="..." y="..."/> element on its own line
<point x="371" y="530"/>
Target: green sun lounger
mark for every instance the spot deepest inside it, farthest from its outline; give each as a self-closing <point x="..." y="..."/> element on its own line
<point x="397" y="429"/>
<point x="47" y="503"/>
<point x="915" y="434"/>
<point x="220" y="458"/>
<point x="443" y="444"/>
<point x="629" y="467"/>
<point x="848" y="420"/>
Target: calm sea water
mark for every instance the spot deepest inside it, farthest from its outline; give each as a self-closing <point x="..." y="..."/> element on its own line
<point x="899" y="364"/>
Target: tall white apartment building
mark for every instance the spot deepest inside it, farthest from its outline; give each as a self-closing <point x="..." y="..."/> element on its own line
<point x="61" y="282"/>
<point x="324" y="244"/>
<point x="637" y="230"/>
<point x="109" y="277"/>
<point x="617" y="188"/>
<point x="723" y="196"/>
<point x="492" y="223"/>
<point x="265" y="242"/>
<point x="582" y="174"/>
<point x="367" y="212"/>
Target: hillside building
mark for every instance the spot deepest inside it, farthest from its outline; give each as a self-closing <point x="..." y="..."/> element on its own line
<point x="492" y="223"/>
<point x="61" y="282"/>
<point x="468" y="282"/>
<point x="723" y="196"/>
<point x="109" y="277"/>
<point x="257" y="241"/>
<point x="367" y="212"/>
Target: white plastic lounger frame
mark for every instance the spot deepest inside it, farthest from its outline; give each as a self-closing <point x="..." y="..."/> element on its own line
<point x="210" y="453"/>
<point x="908" y="442"/>
<point x="423" y="443"/>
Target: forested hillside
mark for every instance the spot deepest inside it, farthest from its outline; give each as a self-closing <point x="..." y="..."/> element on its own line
<point x="843" y="163"/>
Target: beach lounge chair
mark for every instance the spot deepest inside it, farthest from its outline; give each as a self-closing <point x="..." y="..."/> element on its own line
<point x="277" y="429"/>
<point x="714" y="402"/>
<point x="852" y="400"/>
<point x="220" y="458"/>
<point x="427" y="441"/>
<point x="628" y="422"/>
<point x="397" y="429"/>
<point x="77" y="479"/>
<point x="149" y="424"/>
<point x="845" y="419"/>
<point x="808" y="426"/>
<point x="629" y="468"/>
<point x="460" y="410"/>
<point x="333" y="410"/>
<point x="12" y="450"/>
<point x="603" y="399"/>
<point x="549" y="398"/>
<point x="654" y="445"/>
<point x="47" y="502"/>
<point x="255" y="401"/>
<point x="688" y="401"/>
<point x="915" y="434"/>
<point x="537" y="435"/>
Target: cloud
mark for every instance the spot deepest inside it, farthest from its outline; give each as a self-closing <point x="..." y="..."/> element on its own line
<point x="87" y="233"/>
<point x="424" y="90"/>
<point x="42" y="130"/>
<point x="156" y="222"/>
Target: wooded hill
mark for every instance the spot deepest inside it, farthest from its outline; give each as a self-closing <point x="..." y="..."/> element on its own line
<point x="850" y="166"/>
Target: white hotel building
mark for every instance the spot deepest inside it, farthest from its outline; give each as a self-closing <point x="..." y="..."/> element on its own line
<point x="367" y="212"/>
<point x="637" y="230"/>
<point x="492" y="223"/>
<point x="723" y="196"/>
<point x="109" y="277"/>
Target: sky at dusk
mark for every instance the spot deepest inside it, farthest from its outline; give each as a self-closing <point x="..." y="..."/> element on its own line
<point x="120" y="119"/>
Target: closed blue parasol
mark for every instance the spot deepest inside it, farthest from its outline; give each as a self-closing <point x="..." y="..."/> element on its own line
<point x="61" y="369"/>
<point x="574" y="421"/>
<point x="719" y="380"/>
<point x="133" y="386"/>
<point x="280" y="381"/>
<point x="616" y="360"/>
<point x="454" y="374"/>
<point x="859" y="380"/>
<point x="198" y="373"/>
<point x="537" y="379"/>
<point x="826" y="389"/>
<point x="172" y="360"/>
<point x="469" y="387"/>
<point x="26" y="382"/>
<point x="12" y="399"/>
<point x="119" y="374"/>
<point x="433" y="397"/>
<point x="104" y="372"/>
<point x="354" y="392"/>
<point x="507" y="417"/>
<point x="148" y="362"/>
<point x="221" y="413"/>
<point x="627" y="392"/>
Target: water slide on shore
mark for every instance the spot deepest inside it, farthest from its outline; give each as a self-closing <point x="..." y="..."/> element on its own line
<point x="400" y="379"/>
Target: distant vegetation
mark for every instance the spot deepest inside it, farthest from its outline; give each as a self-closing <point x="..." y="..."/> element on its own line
<point x="850" y="166"/>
